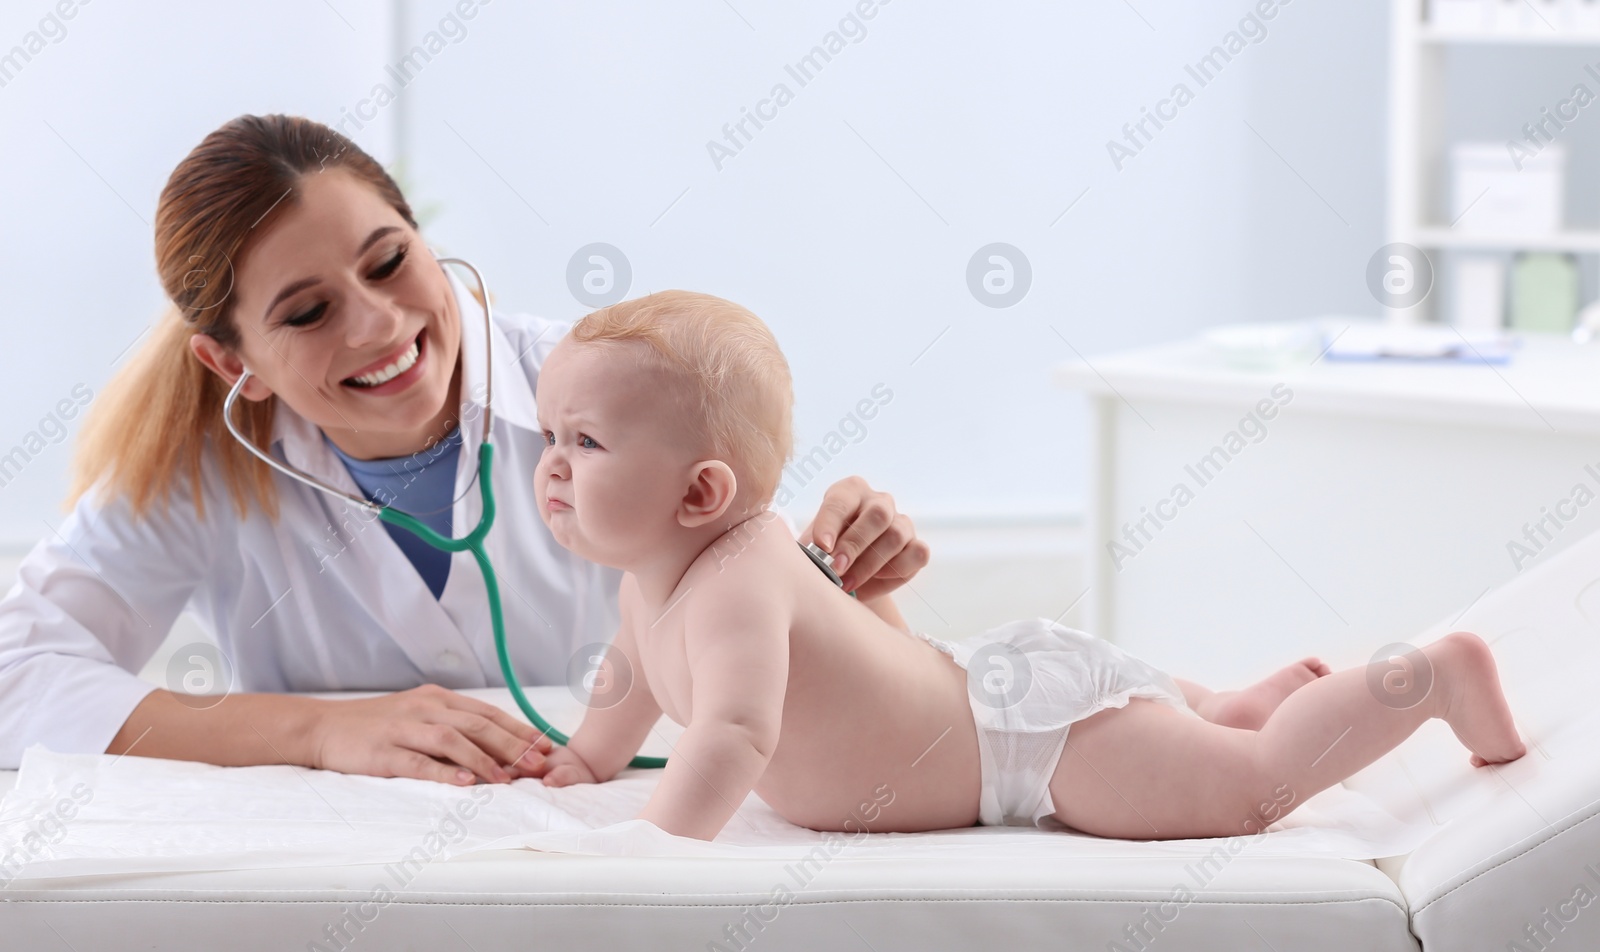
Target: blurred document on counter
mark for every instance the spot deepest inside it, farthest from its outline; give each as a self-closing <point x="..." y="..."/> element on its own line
<point x="1425" y="342"/>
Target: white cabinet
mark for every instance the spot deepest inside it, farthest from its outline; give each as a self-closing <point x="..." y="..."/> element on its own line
<point x="1375" y="500"/>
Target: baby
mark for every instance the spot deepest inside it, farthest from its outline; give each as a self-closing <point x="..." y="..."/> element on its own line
<point x="667" y="425"/>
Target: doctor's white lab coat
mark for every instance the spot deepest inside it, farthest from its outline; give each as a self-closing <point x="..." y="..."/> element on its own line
<point x="321" y="599"/>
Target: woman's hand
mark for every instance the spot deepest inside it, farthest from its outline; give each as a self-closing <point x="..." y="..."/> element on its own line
<point x="426" y="733"/>
<point x="561" y="768"/>
<point x="875" y="549"/>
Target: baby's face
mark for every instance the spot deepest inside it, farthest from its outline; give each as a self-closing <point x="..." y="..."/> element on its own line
<point x="615" y="463"/>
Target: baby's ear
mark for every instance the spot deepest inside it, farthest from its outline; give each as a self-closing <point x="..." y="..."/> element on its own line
<point x="711" y="489"/>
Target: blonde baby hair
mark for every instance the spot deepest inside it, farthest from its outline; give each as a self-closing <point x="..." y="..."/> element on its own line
<point x="734" y="376"/>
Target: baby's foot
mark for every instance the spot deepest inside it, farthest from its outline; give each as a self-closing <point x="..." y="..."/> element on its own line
<point x="1249" y="709"/>
<point x="1473" y="704"/>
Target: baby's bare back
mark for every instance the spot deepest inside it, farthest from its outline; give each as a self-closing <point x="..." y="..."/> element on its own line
<point x="877" y="730"/>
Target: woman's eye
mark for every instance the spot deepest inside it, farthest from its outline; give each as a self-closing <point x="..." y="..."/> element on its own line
<point x="305" y="318"/>
<point x="389" y="267"/>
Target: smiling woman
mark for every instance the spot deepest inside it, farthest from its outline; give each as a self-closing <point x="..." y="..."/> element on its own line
<point x="235" y="308"/>
<point x="332" y="340"/>
<point x="297" y="272"/>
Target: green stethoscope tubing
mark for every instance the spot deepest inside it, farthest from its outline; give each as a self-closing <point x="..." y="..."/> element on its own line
<point x="473" y="542"/>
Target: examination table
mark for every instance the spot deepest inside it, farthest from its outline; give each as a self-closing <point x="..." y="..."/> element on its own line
<point x="1510" y="861"/>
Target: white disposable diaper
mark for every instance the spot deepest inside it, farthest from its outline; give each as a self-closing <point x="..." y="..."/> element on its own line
<point x="1028" y="681"/>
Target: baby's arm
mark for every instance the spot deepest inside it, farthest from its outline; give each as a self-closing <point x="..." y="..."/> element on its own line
<point x="736" y="638"/>
<point x="613" y="729"/>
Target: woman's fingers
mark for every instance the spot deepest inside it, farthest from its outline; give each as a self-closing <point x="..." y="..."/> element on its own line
<point x="512" y="742"/>
<point x="886" y="543"/>
<point x="503" y="746"/>
<point x="875" y="549"/>
<point x="531" y="768"/>
<point x="911" y="560"/>
<point x="874" y="514"/>
<point x="507" y="722"/>
<point x="444" y="742"/>
<point x="419" y="766"/>
<point x="526" y="761"/>
<point x="428" y="733"/>
<point x="839" y="506"/>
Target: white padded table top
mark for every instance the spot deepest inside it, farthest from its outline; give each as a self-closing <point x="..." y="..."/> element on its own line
<point x="1518" y="845"/>
<point x="1063" y="890"/>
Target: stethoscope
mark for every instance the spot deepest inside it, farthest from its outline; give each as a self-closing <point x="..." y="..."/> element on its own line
<point x="474" y="540"/>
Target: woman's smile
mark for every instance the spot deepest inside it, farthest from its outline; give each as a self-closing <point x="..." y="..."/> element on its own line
<point x="394" y="373"/>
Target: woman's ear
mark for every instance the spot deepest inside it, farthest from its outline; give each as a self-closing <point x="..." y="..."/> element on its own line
<point x="227" y="365"/>
<point x="711" y="489"/>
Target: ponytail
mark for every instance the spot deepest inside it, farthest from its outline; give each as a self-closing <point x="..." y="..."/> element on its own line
<point x="153" y="420"/>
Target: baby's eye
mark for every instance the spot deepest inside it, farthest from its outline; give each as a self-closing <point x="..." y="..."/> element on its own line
<point x="587" y="442"/>
<point x="549" y="438"/>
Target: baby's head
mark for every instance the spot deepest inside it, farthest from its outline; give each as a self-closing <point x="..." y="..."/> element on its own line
<point x="662" y="415"/>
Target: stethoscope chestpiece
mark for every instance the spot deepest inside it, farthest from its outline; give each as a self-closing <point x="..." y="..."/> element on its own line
<point x="823" y="561"/>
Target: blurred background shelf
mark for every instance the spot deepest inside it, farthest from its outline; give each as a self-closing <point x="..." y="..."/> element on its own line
<point x="1428" y="33"/>
<point x="1573" y="240"/>
<point x="1454" y="84"/>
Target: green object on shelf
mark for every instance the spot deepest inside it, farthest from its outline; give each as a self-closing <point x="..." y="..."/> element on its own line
<point x="1544" y="292"/>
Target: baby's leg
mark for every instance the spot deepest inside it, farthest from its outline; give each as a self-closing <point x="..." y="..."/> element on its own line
<point x="1148" y="771"/>
<point x="1250" y="707"/>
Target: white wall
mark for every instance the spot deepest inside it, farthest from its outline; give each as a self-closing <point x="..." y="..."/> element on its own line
<point x="91" y="127"/>
<point x="847" y="222"/>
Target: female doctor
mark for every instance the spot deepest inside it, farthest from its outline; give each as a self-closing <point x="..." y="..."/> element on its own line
<point x="290" y="253"/>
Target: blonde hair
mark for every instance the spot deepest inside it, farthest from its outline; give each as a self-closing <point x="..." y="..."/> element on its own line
<point x="154" y="421"/>
<point x="734" y="374"/>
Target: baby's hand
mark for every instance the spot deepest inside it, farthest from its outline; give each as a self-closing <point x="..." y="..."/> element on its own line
<point x="560" y="768"/>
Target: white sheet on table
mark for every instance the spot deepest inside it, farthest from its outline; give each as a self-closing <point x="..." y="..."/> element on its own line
<point x="137" y="814"/>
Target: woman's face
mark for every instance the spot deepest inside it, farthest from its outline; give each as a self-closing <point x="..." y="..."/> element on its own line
<point x="345" y="316"/>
